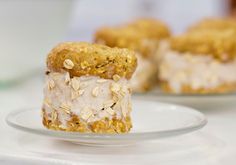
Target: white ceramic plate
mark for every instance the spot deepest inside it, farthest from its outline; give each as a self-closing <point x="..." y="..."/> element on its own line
<point x="151" y="120"/>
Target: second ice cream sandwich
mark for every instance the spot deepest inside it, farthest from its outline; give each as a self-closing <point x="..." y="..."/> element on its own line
<point x="142" y="36"/>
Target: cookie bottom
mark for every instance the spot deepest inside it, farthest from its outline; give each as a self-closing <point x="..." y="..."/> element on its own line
<point x="186" y="89"/>
<point x="75" y="124"/>
<point x="145" y="87"/>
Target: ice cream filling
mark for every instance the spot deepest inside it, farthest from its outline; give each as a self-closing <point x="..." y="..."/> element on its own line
<point x="196" y="71"/>
<point x="89" y="97"/>
<point x="143" y="73"/>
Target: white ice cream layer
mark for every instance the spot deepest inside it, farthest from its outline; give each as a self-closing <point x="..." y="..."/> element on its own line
<point x="88" y="96"/>
<point x="196" y="71"/>
<point x="143" y="74"/>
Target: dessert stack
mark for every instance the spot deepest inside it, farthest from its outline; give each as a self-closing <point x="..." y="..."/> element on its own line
<point x="87" y="88"/>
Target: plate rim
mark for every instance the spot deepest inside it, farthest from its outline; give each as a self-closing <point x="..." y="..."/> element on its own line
<point x="117" y="137"/>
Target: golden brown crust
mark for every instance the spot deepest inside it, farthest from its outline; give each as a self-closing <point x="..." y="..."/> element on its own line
<point x="151" y="28"/>
<point x="142" y="35"/>
<point x="102" y="126"/>
<point x="215" y="24"/>
<point x="220" y="45"/>
<point x="80" y="58"/>
<point x="186" y="89"/>
<point x="143" y="88"/>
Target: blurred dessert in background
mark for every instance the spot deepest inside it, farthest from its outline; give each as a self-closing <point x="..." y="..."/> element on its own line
<point x="143" y="36"/>
<point x="218" y="24"/>
<point x="202" y="60"/>
<point x="86" y="88"/>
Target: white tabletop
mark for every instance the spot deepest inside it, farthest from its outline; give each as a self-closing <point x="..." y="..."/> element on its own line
<point x="214" y="144"/>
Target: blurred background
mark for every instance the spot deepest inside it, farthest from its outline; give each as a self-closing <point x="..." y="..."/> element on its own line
<point x="30" y="28"/>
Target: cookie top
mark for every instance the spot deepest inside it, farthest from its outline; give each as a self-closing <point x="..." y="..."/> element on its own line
<point x="81" y="58"/>
<point x="151" y="28"/>
<point x="138" y="35"/>
<point x="215" y="24"/>
<point x="219" y="44"/>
